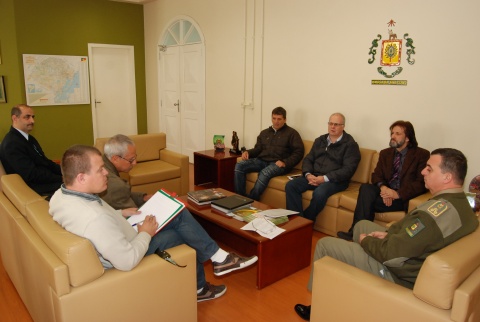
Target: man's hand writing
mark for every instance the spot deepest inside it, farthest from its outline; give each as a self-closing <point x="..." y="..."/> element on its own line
<point x="149" y="225"/>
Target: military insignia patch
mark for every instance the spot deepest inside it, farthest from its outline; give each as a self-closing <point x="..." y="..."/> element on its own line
<point x="438" y="208"/>
<point x="415" y="228"/>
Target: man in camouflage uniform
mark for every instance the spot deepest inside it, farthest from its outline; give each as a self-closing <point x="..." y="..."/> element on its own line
<point x="398" y="254"/>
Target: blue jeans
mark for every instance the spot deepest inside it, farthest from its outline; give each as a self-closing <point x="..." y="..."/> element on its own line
<point x="321" y="193"/>
<point x="266" y="171"/>
<point x="184" y="229"/>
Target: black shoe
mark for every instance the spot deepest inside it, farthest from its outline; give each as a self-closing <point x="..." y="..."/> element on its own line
<point x="345" y="235"/>
<point x="303" y="311"/>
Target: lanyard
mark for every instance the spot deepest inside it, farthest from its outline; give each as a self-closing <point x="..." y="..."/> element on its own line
<point x="166" y="256"/>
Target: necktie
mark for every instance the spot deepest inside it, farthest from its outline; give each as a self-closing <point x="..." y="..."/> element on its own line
<point x="34" y="146"/>
<point x="396" y="168"/>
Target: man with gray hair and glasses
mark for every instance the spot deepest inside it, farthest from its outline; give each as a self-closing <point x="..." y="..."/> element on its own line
<point x="120" y="156"/>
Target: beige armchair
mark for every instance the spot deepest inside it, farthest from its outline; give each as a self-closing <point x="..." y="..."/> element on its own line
<point x="59" y="277"/>
<point x="447" y="289"/>
<point x="157" y="167"/>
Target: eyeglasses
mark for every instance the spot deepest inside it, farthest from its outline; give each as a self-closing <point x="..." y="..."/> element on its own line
<point x="129" y="161"/>
<point x="334" y="124"/>
<point x="264" y="226"/>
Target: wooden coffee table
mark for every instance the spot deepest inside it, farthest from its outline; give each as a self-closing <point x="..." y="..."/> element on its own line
<point x="277" y="258"/>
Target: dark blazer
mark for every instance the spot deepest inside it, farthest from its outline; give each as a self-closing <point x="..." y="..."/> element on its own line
<point x="411" y="179"/>
<point x="27" y="159"/>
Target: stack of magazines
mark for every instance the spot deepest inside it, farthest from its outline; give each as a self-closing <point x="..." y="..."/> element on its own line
<point x="204" y="197"/>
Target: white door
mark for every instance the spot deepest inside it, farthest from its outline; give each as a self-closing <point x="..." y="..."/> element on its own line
<point x="192" y="80"/>
<point x="169" y="79"/>
<point x="182" y="88"/>
<point x="112" y="79"/>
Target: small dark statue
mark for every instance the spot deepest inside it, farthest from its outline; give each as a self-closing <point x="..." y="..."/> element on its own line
<point x="235" y="142"/>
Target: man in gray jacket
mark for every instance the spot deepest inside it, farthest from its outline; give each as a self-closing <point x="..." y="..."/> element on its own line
<point x="326" y="169"/>
<point x="278" y="149"/>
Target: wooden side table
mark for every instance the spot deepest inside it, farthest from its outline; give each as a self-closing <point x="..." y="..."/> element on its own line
<point x="216" y="168"/>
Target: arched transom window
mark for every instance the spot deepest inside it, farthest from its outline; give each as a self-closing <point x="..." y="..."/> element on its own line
<point x="181" y="32"/>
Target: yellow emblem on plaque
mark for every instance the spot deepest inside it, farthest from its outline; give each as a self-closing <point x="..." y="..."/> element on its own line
<point x="391" y="52"/>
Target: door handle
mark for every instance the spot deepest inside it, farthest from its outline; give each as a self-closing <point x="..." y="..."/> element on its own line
<point x="97" y="102"/>
<point x="177" y="104"/>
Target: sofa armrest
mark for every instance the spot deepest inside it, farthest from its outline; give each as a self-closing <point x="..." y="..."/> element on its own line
<point x="345" y="293"/>
<point x="174" y="158"/>
<point x="154" y="290"/>
<point x="180" y="161"/>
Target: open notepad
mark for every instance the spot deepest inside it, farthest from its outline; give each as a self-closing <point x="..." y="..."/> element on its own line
<point x="162" y="206"/>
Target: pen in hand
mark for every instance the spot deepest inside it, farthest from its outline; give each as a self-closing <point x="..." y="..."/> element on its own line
<point x="137" y="223"/>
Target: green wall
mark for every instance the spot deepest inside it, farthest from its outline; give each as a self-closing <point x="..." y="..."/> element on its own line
<point x="65" y="27"/>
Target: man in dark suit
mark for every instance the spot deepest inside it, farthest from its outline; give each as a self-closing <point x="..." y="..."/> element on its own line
<point x="396" y="179"/>
<point x="21" y="153"/>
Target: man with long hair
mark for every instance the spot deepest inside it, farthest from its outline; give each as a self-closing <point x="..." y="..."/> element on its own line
<point x="396" y="179"/>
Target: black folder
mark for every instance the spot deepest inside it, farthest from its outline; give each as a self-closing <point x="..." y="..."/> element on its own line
<point x="232" y="202"/>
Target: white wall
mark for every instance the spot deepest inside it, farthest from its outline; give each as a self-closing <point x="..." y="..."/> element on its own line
<point x="312" y="60"/>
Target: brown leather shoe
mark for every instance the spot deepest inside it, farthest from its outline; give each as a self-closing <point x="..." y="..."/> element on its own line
<point x="303" y="311"/>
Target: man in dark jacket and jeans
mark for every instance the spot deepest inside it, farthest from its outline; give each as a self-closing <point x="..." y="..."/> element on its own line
<point x="326" y="169"/>
<point x="278" y="149"/>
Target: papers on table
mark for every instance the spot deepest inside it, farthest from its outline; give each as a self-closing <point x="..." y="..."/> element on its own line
<point x="263" y="227"/>
<point x="263" y="224"/>
<point x="274" y="213"/>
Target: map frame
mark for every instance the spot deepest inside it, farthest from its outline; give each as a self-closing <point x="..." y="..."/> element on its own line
<point x="56" y="79"/>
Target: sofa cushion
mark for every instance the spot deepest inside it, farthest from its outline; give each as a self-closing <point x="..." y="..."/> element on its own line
<point x="446" y="269"/>
<point x="364" y="172"/>
<point x="349" y="200"/>
<point x="76" y="252"/>
<point x="307" y="144"/>
<point x="153" y="171"/>
<point x="18" y="192"/>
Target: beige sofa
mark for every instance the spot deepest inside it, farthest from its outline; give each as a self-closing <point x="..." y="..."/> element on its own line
<point x="447" y="289"/>
<point x="157" y="167"/>
<point x="338" y="212"/>
<point x="59" y="277"/>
